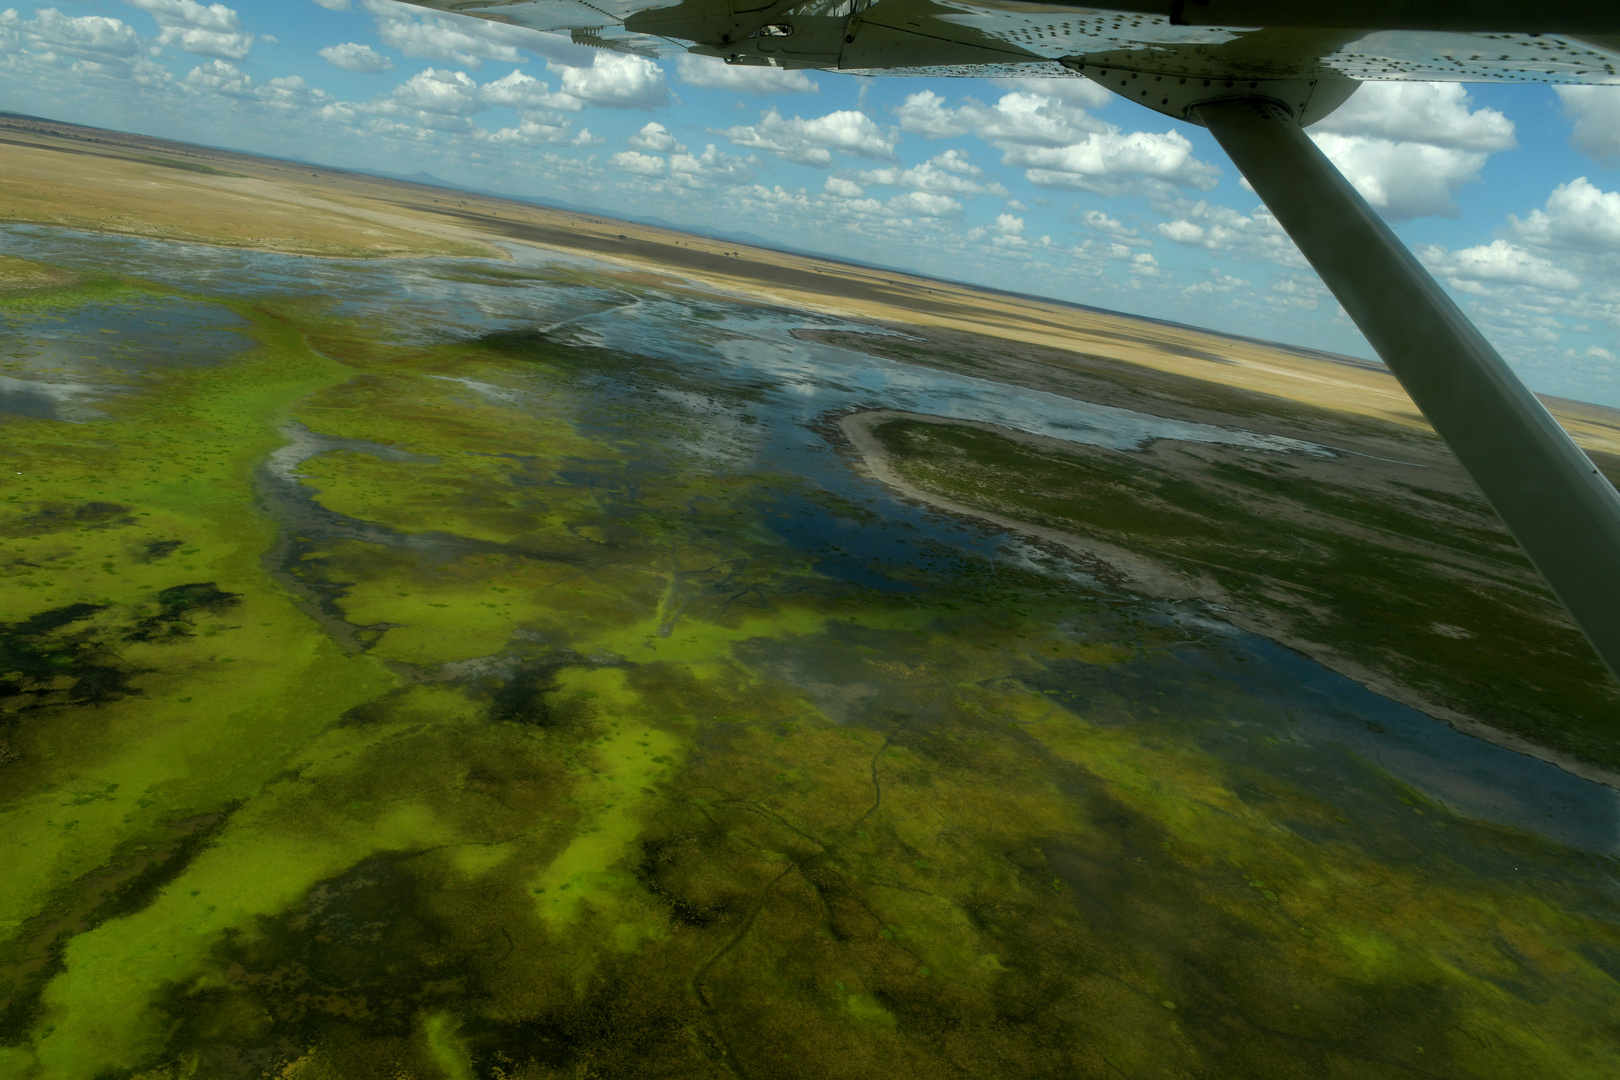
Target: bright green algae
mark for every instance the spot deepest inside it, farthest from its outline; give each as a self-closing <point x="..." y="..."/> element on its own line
<point x="26" y="285"/>
<point x="567" y="765"/>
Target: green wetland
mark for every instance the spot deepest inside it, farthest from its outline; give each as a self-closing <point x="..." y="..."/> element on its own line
<point x="446" y="668"/>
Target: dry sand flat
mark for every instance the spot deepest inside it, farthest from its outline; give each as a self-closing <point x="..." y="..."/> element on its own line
<point x="60" y="174"/>
<point x="122" y="185"/>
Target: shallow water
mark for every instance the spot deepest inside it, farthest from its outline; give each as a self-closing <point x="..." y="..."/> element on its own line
<point x="925" y="635"/>
<point x="756" y="391"/>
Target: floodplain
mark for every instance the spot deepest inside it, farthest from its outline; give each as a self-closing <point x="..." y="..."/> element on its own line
<point x="519" y="664"/>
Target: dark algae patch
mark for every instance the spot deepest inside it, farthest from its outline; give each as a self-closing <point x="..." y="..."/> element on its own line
<point x="505" y="703"/>
<point x="60" y="517"/>
<point x="57" y="657"/>
<point x="72" y="655"/>
<point x="177" y="609"/>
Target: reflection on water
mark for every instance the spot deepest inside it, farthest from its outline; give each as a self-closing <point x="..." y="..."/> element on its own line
<point x="119" y="341"/>
<point x="1315" y="714"/>
<point x="36" y="397"/>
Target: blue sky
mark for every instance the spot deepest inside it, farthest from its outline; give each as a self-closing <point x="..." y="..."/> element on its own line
<point x="1510" y="194"/>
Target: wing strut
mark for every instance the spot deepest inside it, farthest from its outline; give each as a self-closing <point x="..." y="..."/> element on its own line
<point x="1563" y="511"/>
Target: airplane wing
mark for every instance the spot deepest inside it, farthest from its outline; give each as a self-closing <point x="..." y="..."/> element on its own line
<point x="1563" y="41"/>
<point x="1254" y="72"/>
<point x="597" y="23"/>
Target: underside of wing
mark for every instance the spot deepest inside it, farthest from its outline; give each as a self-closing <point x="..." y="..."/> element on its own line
<point x="1557" y="41"/>
<point x="597" y="23"/>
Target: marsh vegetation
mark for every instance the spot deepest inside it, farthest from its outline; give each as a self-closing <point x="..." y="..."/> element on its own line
<point x="1418" y="585"/>
<point x="569" y="707"/>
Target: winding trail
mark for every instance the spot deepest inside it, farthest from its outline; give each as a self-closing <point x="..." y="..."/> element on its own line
<point x="631" y="305"/>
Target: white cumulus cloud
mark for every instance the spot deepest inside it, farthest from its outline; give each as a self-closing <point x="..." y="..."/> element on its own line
<point x="617" y="80"/>
<point x="449" y="92"/>
<point x="1216" y="281"/>
<point x="712" y="73"/>
<point x="957" y="162"/>
<point x="1114" y="163"/>
<point x="220" y="77"/>
<point x="543" y="130"/>
<point x="525" y="93"/>
<point x="215" y="30"/>
<point x="632" y="161"/>
<point x="1596" y="112"/>
<point x="1047" y="132"/>
<point x="351" y="56"/>
<point x="684" y="169"/>
<point x="1252" y="237"/>
<point x="930" y="176"/>
<point x="1114" y="229"/>
<point x="1432" y="113"/>
<point x="1020" y="117"/>
<point x="97" y="38"/>
<point x="924" y="204"/>
<point x="1498" y="262"/>
<point x="438" y="99"/>
<point x="1402" y="180"/>
<point x="458" y="39"/>
<point x="1184" y="232"/>
<point x="1072" y="89"/>
<point x="711" y="166"/>
<point x="812" y="142"/>
<point x="290" y="94"/>
<point x="655" y="137"/>
<point x="1408" y="147"/>
<point x="1578" y="215"/>
<point x="1006" y="232"/>
<point x="842" y="188"/>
